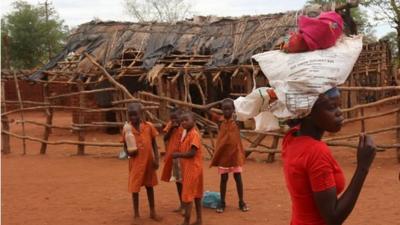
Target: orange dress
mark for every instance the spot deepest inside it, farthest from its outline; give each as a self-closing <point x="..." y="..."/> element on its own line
<point x="172" y="145"/>
<point x="192" y="168"/>
<point x="141" y="170"/>
<point x="229" y="150"/>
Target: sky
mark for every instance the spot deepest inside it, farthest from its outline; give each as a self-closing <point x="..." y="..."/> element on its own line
<point x="75" y="12"/>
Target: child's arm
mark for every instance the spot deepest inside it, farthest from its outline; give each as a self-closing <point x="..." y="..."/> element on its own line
<point x="132" y="154"/>
<point x="168" y="134"/>
<point x="186" y="155"/>
<point x="125" y="149"/>
<point x="156" y="155"/>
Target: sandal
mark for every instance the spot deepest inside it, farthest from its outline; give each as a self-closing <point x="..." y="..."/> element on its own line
<point x="221" y="208"/>
<point x="243" y="207"/>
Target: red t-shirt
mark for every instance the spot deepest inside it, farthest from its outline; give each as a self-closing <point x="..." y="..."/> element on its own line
<point x="308" y="167"/>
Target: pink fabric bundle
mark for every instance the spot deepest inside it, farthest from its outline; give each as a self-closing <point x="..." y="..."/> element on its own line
<point x="321" y="32"/>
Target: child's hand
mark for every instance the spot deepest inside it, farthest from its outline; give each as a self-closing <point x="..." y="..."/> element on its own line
<point x="156" y="165"/>
<point x="175" y="125"/>
<point x="132" y="154"/>
<point x="175" y="155"/>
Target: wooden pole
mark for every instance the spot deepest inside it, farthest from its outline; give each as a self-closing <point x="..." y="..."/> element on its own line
<point x="387" y="88"/>
<point x="112" y="80"/>
<point x="362" y="120"/>
<point x="109" y="77"/>
<point x="25" y="102"/>
<point x="21" y="106"/>
<point x="117" y="114"/>
<point x="5" y="138"/>
<point x="398" y="136"/>
<point x="49" y="119"/>
<point x="258" y="140"/>
<point x="271" y="156"/>
<point x="81" y="119"/>
<point x="84" y="92"/>
<point x="353" y="96"/>
<point x="183" y="103"/>
<point x="163" y="111"/>
<point x="376" y="103"/>
<point x="65" y="142"/>
<point x="366" y="132"/>
<point x="375" y="115"/>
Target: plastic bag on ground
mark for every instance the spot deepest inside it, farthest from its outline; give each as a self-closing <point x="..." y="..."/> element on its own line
<point x="211" y="199"/>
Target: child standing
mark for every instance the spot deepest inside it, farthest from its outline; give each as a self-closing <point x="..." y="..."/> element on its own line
<point x="173" y="133"/>
<point x="144" y="161"/>
<point x="229" y="154"/>
<point x="190" y="153"/>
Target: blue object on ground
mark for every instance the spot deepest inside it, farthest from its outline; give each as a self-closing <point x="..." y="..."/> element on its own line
<point x="211" y="199"/>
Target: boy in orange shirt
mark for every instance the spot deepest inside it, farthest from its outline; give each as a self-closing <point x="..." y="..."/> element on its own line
<point x="172" y="140"/>
<point x="190" y="153"/>
<point x="229" y="153"/>
<point x="144" y="162"/>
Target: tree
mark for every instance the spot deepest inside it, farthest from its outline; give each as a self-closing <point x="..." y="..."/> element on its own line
<point x="33" y="34"/>
<point x="360" y="16"/>
<point x="387" y="11"/>
<point x="158" y="10"/>
<point x="391" y="37"/>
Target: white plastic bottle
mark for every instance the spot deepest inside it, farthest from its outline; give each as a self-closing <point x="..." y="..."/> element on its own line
<point x="129" y="138"/>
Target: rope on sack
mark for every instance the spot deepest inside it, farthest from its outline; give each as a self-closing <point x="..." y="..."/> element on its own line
<point x="263" y="100"/>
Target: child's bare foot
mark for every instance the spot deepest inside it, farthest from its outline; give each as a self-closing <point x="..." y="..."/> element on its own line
<point x="155" y="217"/>
<point x="197" y="223"/>
<point x="243" y="207"/>
<point x="136" y="221"/>
<point x="184" y="223"/>
<point x="178" y="210"/>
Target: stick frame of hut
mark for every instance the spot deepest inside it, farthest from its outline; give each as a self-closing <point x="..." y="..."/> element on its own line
<point x="191" y="64"/>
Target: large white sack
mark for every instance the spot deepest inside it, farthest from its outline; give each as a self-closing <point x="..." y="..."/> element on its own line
<point x="250" y="106"/>
<point x="299" y="78"/>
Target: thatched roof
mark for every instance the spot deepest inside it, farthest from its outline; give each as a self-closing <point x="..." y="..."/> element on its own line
<point x="228" y="41"/>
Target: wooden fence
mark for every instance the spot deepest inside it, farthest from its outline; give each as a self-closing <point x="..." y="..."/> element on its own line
<point x="158" y="104"/>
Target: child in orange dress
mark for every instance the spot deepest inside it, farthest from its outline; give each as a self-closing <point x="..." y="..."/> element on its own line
<point x="143" y="162"/>
<point x="190" y="154"/>
<point x="172" y="139"/>
<point x="229" y="154"/>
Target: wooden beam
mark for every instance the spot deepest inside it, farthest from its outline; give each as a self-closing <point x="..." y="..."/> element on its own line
<point x="367" y="132"/>
<point x="81" y="119"/>
<point x="5" y="138"/>
<point x="21" y="106"/>
<point x="376" y="103"/>
<point x="63" y="142"/>
<point x="256" y="142"/>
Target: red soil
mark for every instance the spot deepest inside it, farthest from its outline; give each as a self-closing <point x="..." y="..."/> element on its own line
<point x="62" y="188"/>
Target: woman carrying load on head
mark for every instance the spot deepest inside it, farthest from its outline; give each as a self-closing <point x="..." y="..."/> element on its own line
<point x="304" y="86"/>
<point x="313" y="177"/>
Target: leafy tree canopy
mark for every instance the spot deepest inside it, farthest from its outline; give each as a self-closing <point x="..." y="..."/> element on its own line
<point x="31" y="34"/>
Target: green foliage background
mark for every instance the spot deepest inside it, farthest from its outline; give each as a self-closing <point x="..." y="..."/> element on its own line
<point x="28" y="38"/>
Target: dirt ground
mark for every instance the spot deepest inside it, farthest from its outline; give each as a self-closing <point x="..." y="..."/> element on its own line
<point x="62" y="188"/>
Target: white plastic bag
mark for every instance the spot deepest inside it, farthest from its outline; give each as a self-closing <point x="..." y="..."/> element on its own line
<point x="250" y="106"/>
<point x="266" y="121"/>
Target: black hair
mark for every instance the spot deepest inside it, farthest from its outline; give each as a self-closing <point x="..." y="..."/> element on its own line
<point x="228" y="100"/>
<point x="294" y="122"/>
<point x="176" y="110"/>
<point x="187" y="112"/>
<point x="135" y="104"/>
